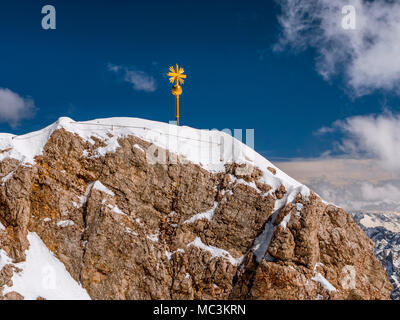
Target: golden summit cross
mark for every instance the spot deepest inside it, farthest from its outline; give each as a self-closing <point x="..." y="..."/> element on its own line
<point x="176" y="76"/>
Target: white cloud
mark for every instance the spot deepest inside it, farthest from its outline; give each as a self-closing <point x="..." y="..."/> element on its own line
<point x="14" y="108"/>
<point x="367" y="57"/>
<point x="140" y="80"/>
<point x="360" y="195"/>
<point x="375" y="137"/>
<point x="367" y="177"/>
<point x="354" y="184"/>
<point x="378" y="192"/>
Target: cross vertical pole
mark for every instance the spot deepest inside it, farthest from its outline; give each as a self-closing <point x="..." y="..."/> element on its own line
<point x="177" y="109"/>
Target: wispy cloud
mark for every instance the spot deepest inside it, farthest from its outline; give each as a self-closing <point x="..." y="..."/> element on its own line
<point x="354" y="184"/>
<point x="14" y="108"/>
<point x="360" y="195"/>
<point x="367" y="57"/>
<point x="140" y="80"/>
<point x="372" y="136"/>
<point x="367" y="176"/>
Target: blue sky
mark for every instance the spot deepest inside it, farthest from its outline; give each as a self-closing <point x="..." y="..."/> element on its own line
<point x="235" y="78"/>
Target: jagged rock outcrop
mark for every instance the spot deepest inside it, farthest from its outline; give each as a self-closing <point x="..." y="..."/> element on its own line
<point x="128" y="229"/>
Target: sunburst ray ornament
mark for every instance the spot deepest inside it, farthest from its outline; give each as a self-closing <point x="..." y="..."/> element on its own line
<point x="176" y="76"/>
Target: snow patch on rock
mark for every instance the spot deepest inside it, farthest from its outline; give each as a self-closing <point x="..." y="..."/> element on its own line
<point x="65" y="223"/>
<point x="154" y="237"/>
<point x="101" y="187"/>
<point x="111" y="147"/>
<point x="83" y="199"/>
<point x="325" y="283"/>
<point x="7" y="177"/>
<point x="170" y="254"/>
<point x="136" y="146"/>
<point x="4" y="259"/>
<point x="115" y="208"/>
<point x="216" y="252"/>
<point x="204" y="215"/>
<point x="43" y="275"/>
<point x="285" y="221"/>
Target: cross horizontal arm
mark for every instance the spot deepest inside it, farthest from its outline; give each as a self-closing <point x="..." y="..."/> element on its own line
<point x="177" y="75"/>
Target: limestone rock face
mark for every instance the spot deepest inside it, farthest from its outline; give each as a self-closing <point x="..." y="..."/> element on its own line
<point x="128" y="229"/>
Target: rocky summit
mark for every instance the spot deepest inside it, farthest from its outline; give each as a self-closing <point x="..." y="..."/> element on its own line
<point x="127" y="208"/>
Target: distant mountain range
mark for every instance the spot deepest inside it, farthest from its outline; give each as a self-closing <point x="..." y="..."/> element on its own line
<point x="384" y="230"/>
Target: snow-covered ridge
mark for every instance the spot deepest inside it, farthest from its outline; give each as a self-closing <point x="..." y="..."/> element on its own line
<point x="210" y="149"/>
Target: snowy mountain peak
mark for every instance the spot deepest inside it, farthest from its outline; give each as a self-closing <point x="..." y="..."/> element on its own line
<point x="210" y="149"/>
<point x="138" y="209"/>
